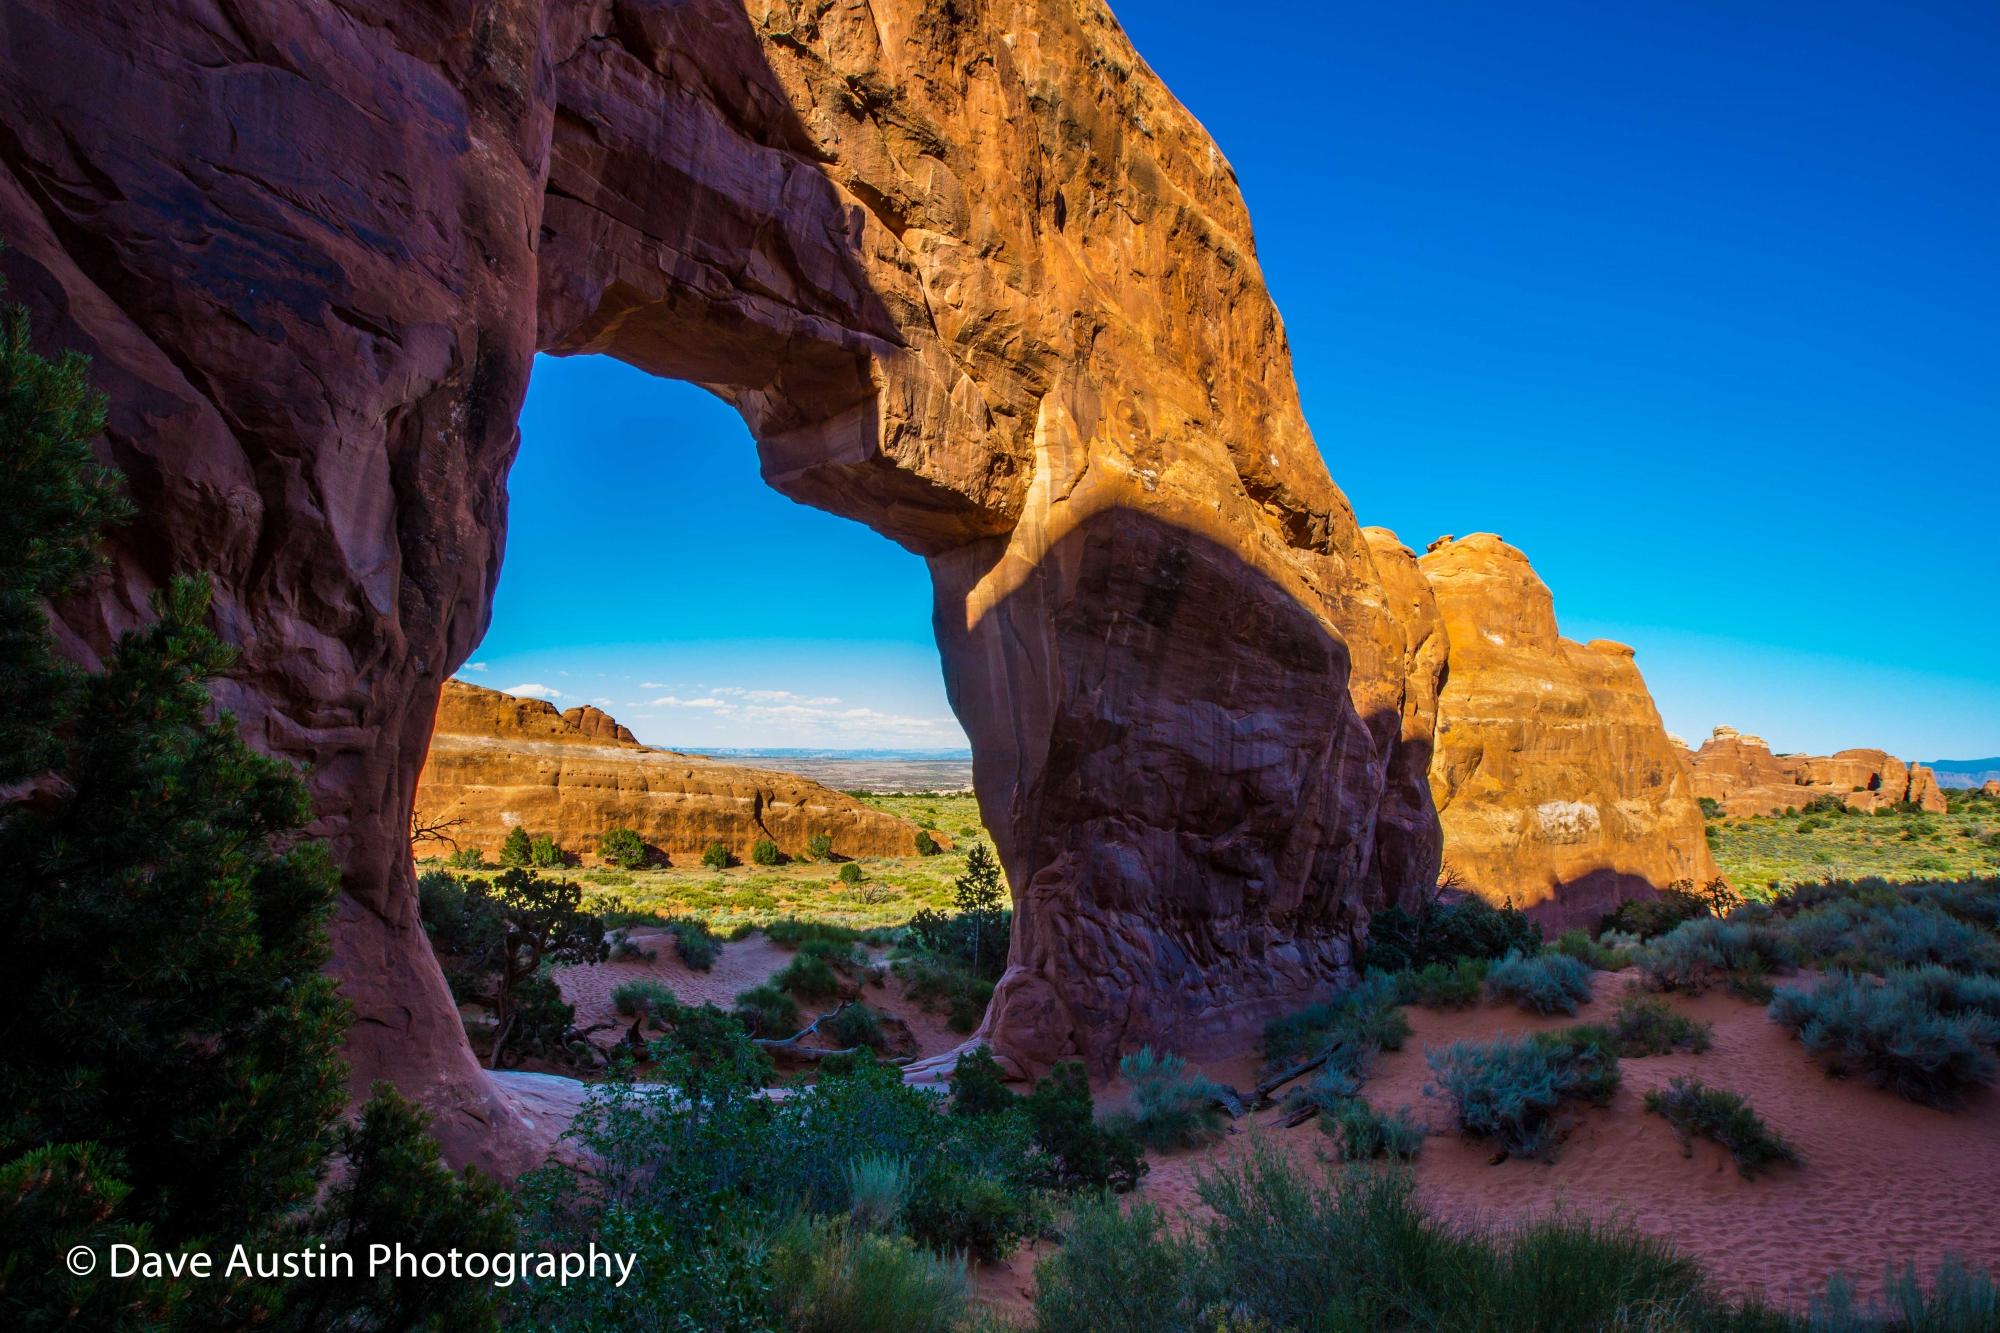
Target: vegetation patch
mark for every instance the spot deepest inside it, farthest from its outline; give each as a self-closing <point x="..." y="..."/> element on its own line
<point x="1908" y="1032"/>
<point x="1696" y="1110"/>
<point x="1509" y="1091"/>
<point x="1644" y="1025"/>
<point x="1171" y="1105"/>
<point x="1544" y="983"/>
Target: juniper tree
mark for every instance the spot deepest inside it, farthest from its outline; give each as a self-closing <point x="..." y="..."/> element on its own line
<point x="169" y="1069"/>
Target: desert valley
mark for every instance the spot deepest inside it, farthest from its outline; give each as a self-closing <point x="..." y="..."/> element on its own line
<point x="1309" y="934"/>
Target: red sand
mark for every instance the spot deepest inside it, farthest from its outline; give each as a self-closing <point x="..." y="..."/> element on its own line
<point x="1884" y="1181"/>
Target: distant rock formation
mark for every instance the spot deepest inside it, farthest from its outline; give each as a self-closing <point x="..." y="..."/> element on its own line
<point x="497" y="762"/>
<point x="1740" y="771"/>
<point x="1555" y="780"/>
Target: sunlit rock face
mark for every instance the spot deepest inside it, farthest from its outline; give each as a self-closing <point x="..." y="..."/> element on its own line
<point x="1555" y="779"/>
<point x="972" y="276"/>
<point x="497" y="763"/>
<point x="1741" y="773"/>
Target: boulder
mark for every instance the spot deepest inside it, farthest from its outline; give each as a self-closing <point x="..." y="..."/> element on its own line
<point x="497" y="762"/>
<point x="1555" y="780"/>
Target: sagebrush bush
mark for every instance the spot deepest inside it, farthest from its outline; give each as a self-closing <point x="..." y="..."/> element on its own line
<point x="1365" y="1013"/>
<point x="1854" y="934"/>
<point x="1510" y="1090"/>
<point x="810" y="976"/>
<point x="947" y="985"/>
<point x="878" y="1186"/>
<point x="1696" y="1110"/>
<point x="1959" y="1297"/>
<point x="1438" y="986"/>
<point x="1599" y="953"/>
<point x="1647" y="1025"/>
<point x="1705" y="952"/>
<point x="695" y="942"/>
<point x="1893" y="1033"/>
<point x="1171" y="1106"/>
<point x="1545" y="983"/>
<point x="1366" y="1134"/>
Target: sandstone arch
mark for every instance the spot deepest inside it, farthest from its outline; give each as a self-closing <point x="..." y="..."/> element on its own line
<point x="971" y="275"/>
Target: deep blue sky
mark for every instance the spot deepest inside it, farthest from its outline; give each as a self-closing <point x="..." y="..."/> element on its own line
<point x="1698" y="304"/>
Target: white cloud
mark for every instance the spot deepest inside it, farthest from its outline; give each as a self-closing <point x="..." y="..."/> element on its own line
<point x="711" y="702"/>
<point x="475" y="666"/>
<point x="604" y="703"/>
<point x="534" y="690"/>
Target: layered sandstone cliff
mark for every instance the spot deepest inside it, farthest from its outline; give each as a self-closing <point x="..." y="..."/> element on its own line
<point x="497" y="762"/>
<point x="1741" y="772"/>
<point x="972" y="276"/>
<point x="1555" y="780"/>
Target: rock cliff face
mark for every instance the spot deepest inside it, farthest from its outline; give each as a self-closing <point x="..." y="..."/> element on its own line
<point x="1554" y="778"/>
<point x="1741" y="772"/>
<point x="972" y="277"/>
<point x="497" y="762"/>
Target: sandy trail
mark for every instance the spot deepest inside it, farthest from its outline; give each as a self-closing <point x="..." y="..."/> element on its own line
<point x="1884" y="1181"/>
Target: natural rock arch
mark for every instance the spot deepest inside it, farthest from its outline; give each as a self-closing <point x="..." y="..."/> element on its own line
<point x="972" y="277"/>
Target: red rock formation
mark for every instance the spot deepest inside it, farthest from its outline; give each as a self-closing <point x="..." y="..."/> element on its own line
<point x="972" y="276"/>
<point x="1741" y="772"/>
<point x="1554" y="778"/>
<point x="496" y="762"/>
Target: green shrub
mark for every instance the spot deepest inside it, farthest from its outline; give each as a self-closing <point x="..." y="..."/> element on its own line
<point x="543" y="852"/>
<point x="764" y="852"/>
<point x="878" y="1189"/>
<point x="1647" y="917"/>
<point x="517" y="848"/>
<point x="1711" y="808"/>
<point x="827" y="1276"/>
<point x="1437" y="986"/>
<point x="927" y="844"/>
<point x="819" y="847"/>
<point x="1366" y="1013"/>
<point x="1366" y="1134"/>
<point x="642" y="999"/>
<point x="977" y="1085"/>
<point x="1547" y="983"/>
<point x="961" y="1210"/>
<point x="717" y="857"/>
<point x="466" y="858"/>
<point x="1695" y="1109"/>
<point x="945" y="985"/>
<point x="1444" y="933"/>
<point x="792" y="933"/>
<point x="1703" y="952"/>
<point x="1959" y="1298"/>
<point x="1646" y="1025"/>
<point x="767" y="1011"/>
<point x="1171" y="1107"/>
<point x="850" y="872"/>
<point x="1510" y="1090"/>
<point x="1080" y="1152"/>
<point x="1893" y="1033"/>
<point x="855" y="1025"/>
<point x="713" y="1044"/>
<point x="695" y="943"/>
<point x="622" y="847"/>
<point x="1859" y="934"/>
<point x="1577" y="944"/>
<point x="1278" y="1248"/>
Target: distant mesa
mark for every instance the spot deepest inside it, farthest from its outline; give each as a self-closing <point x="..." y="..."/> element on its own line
<point x="1556" y="783"/>
<point x="497" y="762"/>
<point x="1739" y="771"/>
<point x="1983" y="774"/>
